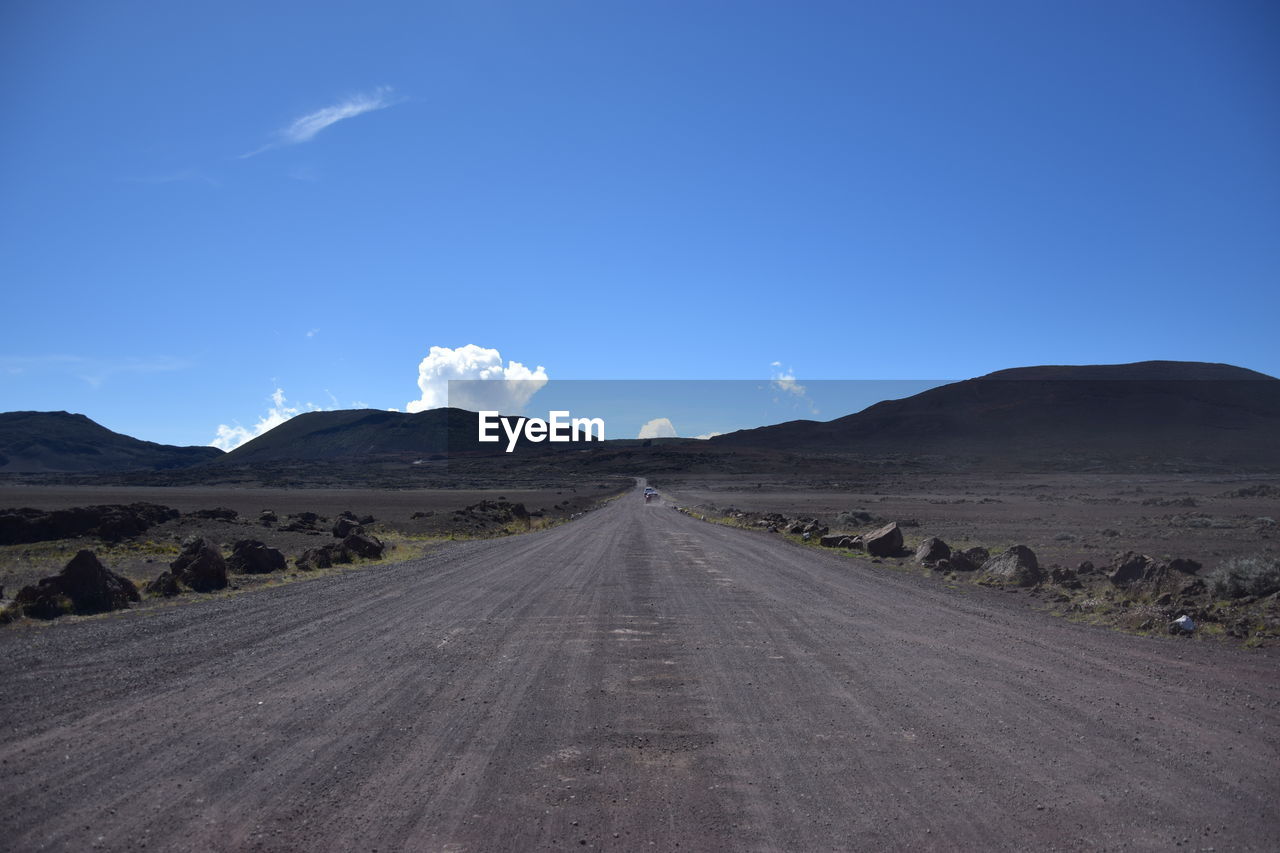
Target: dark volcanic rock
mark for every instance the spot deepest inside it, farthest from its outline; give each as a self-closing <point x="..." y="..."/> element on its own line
<point x="812" y="526"/>
<point x="322" y="558"/>
<point x="363" y="545"/>
<point x="200" y="566"/>
<point x="218" y="513"/>
<point x="302" y="522"/>
<point x="885" y="542"/>
<point x="165" y="584"/>
<point x="959" y="561"/>
<point x="345" y="526"/>
<point x="1017" y="565"/>
<point x="110" y="521"/>
<point x="1129" y="568"/>
<point x="932" y="550"/>
<point x="1065" y="578"/>
<point x="840" y="540"/>
<point x="267" y="518"/>
<point x="1192" y="588"/>
<point x="1133" y="569"/>
<point x="314" y="558"/>
<point x="83" y="586"/>
<point x="977" y="555"/>
<point x="252" y="557"/>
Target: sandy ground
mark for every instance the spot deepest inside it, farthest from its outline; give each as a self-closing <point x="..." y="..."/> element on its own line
<point x="636" y="679"/>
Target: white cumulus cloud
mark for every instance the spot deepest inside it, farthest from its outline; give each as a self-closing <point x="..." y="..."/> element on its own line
<point x="504" y="388"/>
<point x="658" y="428"/>
<point x="230" y="437"/>
<point x="707" y="435"/>
<point x="304" y="128"/>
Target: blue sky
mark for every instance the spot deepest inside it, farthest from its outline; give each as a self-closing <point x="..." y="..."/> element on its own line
<point x="621" y="190"/>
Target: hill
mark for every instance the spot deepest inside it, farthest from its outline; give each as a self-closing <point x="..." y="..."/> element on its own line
<point x="50" y="442"/>
<point x="1155" y="413"/>
<point x="352" y="434"/>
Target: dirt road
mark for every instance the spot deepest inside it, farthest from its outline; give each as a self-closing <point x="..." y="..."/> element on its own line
<point x="636" y="680"/>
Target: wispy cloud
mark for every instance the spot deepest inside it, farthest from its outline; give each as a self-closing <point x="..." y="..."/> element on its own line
<point x="94" y="371"/>
<point x="305" y="128"/>
<point x="231" y="436"/>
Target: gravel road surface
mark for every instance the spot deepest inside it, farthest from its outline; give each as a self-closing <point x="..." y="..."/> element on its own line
<point x="634" y="680"/>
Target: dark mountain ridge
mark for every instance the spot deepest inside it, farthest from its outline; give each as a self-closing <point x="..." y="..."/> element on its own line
<point x="1149" y="415"/>
<point x="1155" y="410"/>
<point x="49" y="442"/>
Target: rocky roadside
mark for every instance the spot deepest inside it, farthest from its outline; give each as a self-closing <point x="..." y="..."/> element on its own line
<point x="220" y="552"/>
<point x="1237" y="600"/>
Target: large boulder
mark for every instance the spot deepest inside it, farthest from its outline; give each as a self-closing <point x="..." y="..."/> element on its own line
<point x="1128" y="568"/>
<point x="313" y="558"/>
<point x="345" y="526"/>
<point x="959" y="561"/>
<point x="932" y="550"/>
<point x="1132" y="569"/>
<point x="165" y="584"/>
<point x="1017" y="565"/>
<point x="884" y="542"/>
<point x="200" y="566"/>
<point x="322" y="558"/>
<point x="251" y="557"/>
<point x="83" y="586"/>
<point x="363" y="545"/>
